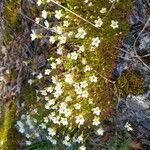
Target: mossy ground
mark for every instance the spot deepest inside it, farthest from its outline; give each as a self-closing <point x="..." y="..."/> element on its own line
<point x="130" y="82"/>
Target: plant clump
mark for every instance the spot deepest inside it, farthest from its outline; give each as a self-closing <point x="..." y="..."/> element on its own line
<point x="86" y="35"/>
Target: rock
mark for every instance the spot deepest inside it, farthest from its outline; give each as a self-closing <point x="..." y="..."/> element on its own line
<point x="136" y="108"/>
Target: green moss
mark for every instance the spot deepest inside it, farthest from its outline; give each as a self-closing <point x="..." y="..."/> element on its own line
<point x="11" y="19"/>
<point x="130" y="82"/>
<point x="6" y="128"/>
<point x="28" y="94"/>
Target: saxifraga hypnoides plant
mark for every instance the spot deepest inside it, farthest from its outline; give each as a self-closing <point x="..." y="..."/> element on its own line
<point x="76" y="99"/>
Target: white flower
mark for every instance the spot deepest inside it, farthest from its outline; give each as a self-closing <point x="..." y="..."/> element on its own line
<point x="44" y="14"/>
<point x="46" y="23"/>
<point x="83" y="61"/>
<point x="68" y="99"/>
<point x="77" y="106"/>
<point x="86" y="1"/>
<point x="59" y="51"/>
<point x="114" y="24"/>
<point x="87" y="68"/>
<point x="37" y="20"/>
<point x="90" y="101"/>
<point x="20" y="124"/>
<point x="67" y="112"/>
<point x="39" y="2"/>
<point x="49" y="89"/>
<point x="51" y="131"/>
<point x="74" y="55"/>
<point x="49" y="103"/>
<point x="47" y="71"/>
<point x="96" y="111"/>
<point x="47" y="106"/>
<point x="54" y="142"/>
<point x="85" y="94"/>
<point x="27" y="136"/>
<point x="100" y="131"/>
<point x="33" y="35"/>
<point x="81" y="49"/>
<point x="68" y="79"/>
<point x="66" y="23"/>
<point x="37" y="134"/>
<point x="53" y="65"/>
<point x="1" y="143"/>
<point x="58" y="29"/>
<point x="46" y="119"/>
<point x="78" y="90"/>
<point x="98" y="22"/>
<point x="112" y="1"/>
<point x="90" y="4"/>
<point x="63" y="106"/>
<point x="82" y="147"/>
<point x="28" y="142"/>
<point x="62" y="39"/>
<point x="80" y="119"/>
<point x="30" y="81"/>
<point x="96" y="121"/>
<point x="43" y="125"/>
<point x="58" y="14"/>
<point x="81" y="33"/>
<point x="67" y="138"/>
<point x="93" y="78"/>
<point x="58" y="93"/>
<point x="54" y="79"/>
<point x="58" y="86"/>
<point x="128" y="127"/>
<point x="64" y="121"/>
<point x="58" y="61"/>
<point x="43" y="92"/>
<point x="65" y="142"/>
<point x="40" y="76"/>
<point x="95" y="41"/>
<point x="52" y="39"/>
<point x="103" y="10"/>
<point x="55" y="120"/>
<point x="70" y="34"/>
<point x="83" y="84"/>
<point x="22" y="130"/>
<point x="80" y="139"/>
<point x="47" y="98"/>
